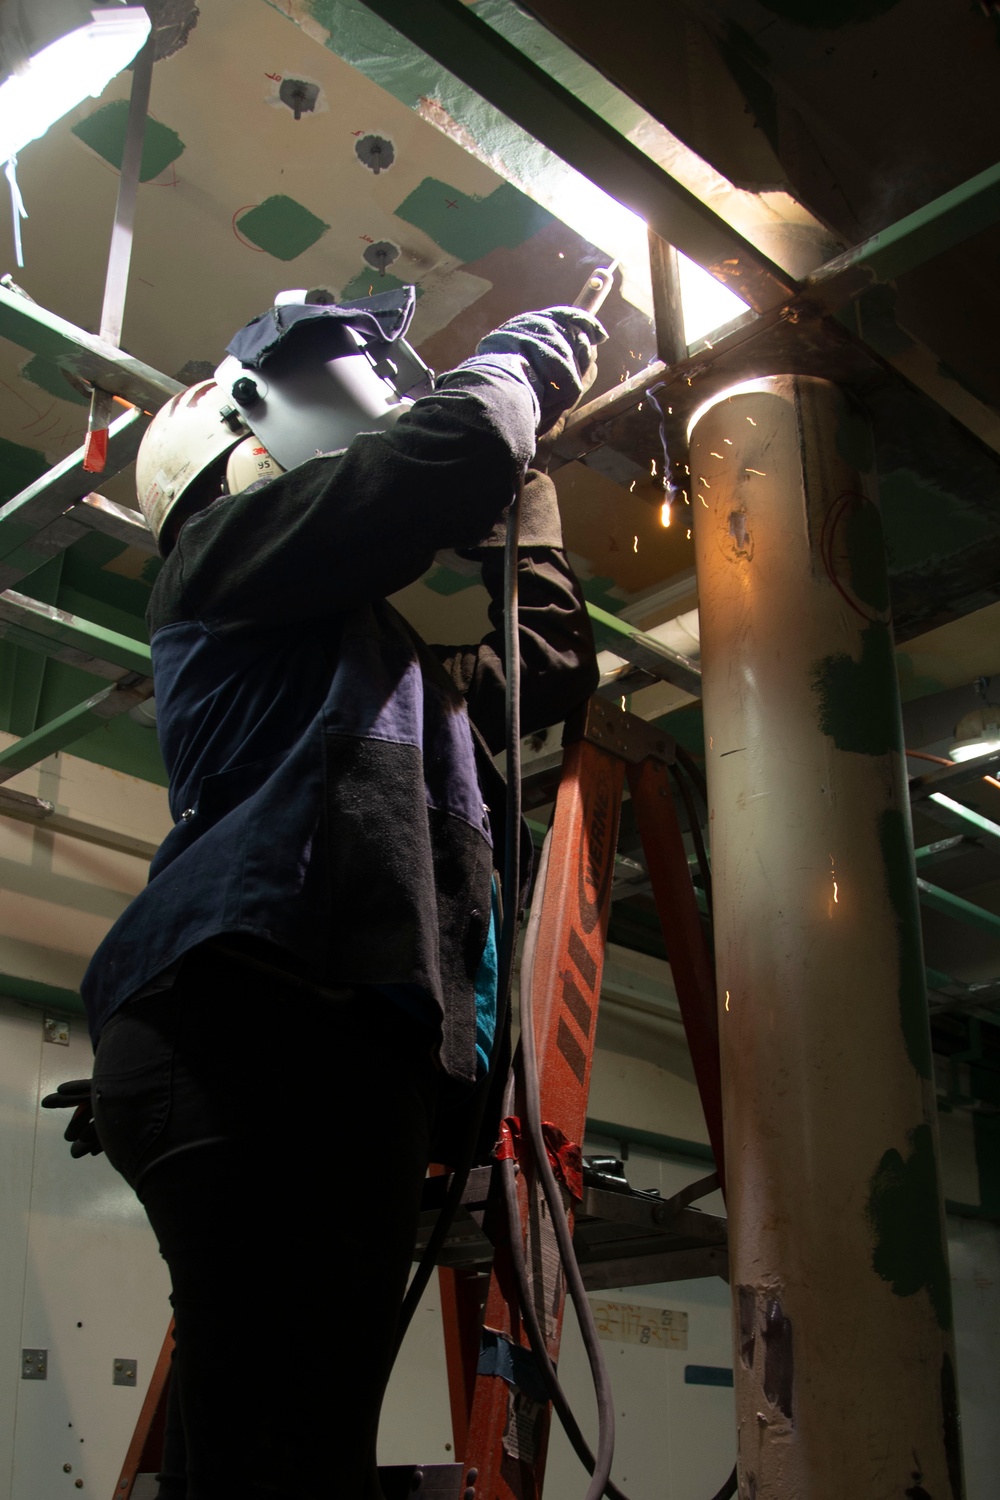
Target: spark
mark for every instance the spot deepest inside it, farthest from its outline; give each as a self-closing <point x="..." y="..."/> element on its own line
<point x="640" y="406"/>
<point x="665" y="513"/>
<point x="703" y="501"/>
<point x="686" y="469"/>
<point x="554" y="385"/>
<point x="761" y="472"/>
<point x="711" y="742"/>
<point x="689" y="534"/>
<point x="623" y="703"/>
<point x="729" y="441"/>
<point x="561" y="255"/>
<point x="635" y="544"/>
<point x="727" y="999"/>
<point x="713" y="454"/>
<point x="704" y="481"/>
<point x="751" y="421"/>
<point x="631" y="487"/>
<point x="670" y="411"/>
<point x="833" y="873"/>
<point x="652" y="468"/>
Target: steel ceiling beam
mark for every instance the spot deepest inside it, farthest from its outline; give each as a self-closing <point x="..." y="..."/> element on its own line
<point x="74" y="724"/>
<point x="42" y="520"/>
<point x="70" y="639"/>
<point x="83" y="354"/>
<point x="487" y="63"/>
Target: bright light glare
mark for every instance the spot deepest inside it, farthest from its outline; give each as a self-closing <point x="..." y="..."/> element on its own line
<point x="63" y="74"/>
<point x="707" y="304"/>
<point x="972" y="749"/>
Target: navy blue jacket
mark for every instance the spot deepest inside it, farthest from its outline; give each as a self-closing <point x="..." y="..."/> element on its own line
<point x="329" y="795"/>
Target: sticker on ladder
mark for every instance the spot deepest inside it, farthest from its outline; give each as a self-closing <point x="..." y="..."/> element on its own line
<point x="522" y="1432"/>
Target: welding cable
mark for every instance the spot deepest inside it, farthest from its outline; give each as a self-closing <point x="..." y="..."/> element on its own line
<point x="691" y="766"/>
<point x="508" y="1179"/>
<point x="553" y="1195"/>
<point x="694" y="823"/>
<point x="509" y="921"/>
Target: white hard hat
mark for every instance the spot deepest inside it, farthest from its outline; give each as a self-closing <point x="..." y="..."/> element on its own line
<point x="188" y="436"/>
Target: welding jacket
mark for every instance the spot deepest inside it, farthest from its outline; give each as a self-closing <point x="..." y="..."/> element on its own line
<point x="331" y="799"/>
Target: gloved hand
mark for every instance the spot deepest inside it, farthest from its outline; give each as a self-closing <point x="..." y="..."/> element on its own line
<point x="558" y="348"/>
<point x="81" y="1131"/>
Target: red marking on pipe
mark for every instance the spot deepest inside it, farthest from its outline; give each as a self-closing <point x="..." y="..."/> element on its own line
<point x="275" y="77"/>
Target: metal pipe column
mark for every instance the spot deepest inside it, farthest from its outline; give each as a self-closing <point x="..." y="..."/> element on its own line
<point x="844" y="1359"/>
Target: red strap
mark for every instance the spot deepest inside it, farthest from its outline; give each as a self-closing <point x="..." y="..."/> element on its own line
<point x="566" y="1158"/>
<point x="508" y="1147"/>
<point x="95" y="451"/>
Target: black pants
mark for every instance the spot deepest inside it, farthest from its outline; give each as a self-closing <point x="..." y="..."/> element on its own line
<point x="279" y="1146"/>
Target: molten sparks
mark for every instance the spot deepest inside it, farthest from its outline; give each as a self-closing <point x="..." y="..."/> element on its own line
<point x="751" y="421"/>
<point x="689" y="533"/>
<point x="703" y="501"/>
<point x="727" y="999"/>
<point x="761" y="472"/>
<point x="665" y="513"/>
<point x="631" y="487"/>
<point x="652" y="468"/>
<point x="635" y="544"/>
<point x="713" y="454"/>
<point x="833" y="874"/>
<point x="729" y="441"/>
<point x="704" y="481"/>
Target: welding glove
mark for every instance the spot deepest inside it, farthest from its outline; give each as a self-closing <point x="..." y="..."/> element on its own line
<point x="557" y="347"/>
<point x="81" y="1131"/>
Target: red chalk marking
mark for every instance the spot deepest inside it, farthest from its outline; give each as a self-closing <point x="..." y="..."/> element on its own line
<point x="275" y="77"/>
<point x="241" y="237"/>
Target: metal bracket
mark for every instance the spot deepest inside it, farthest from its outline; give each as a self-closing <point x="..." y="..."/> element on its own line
<point x="626" y="735"/>
<point x="57" y="1030"/>
<point x="34" y="1364"/>
<point x="124" y="1372"/>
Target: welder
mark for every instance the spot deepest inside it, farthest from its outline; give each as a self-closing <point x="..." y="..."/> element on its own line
<point x="290" y="1013"/>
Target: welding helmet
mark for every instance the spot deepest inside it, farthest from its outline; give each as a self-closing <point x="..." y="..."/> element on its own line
<point x="184" y="447"/>
<point x="306" y="377"/>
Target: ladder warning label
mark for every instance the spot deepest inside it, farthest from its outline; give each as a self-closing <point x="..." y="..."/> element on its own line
<point x="520" y="1438"/>
<point x="628" y="1323"/>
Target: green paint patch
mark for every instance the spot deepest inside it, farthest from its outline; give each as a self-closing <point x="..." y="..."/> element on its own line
<point x="911" y="683"/>
<point x="902" y="1210"/>
<point x="897" y="864"/>
<point x="858" y="699"/>
<point x="446" y="581"/>
<point x="924" y="524"/>
<point x="865" y="546"/>
<point x="47" y="375"/>
<point x="469" y="227"/>
<point x="104" y="132"/>
<point x="281" y="226"/>
<point x="19" y="467"/>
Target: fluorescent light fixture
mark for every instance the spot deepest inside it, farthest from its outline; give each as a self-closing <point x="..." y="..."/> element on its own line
<point x="44" y="84"/>
<point x="975" y="735"/>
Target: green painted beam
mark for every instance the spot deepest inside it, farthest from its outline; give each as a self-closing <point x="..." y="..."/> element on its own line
<point x="644" y="651"/>
<point x="68" y="638"/>
<point x="456" y="38"/>
<point x="967" y="814"/>
<point x="47" y="997"/>
<point x="83" y="354"/>
<point x="73" y="725"/>
<point x="951" y="905"/>
<point x="40" y="521"/>
<point x="929" y="231"/>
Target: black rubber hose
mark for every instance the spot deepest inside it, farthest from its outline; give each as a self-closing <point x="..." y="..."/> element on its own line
<point x="510" y="904"/>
